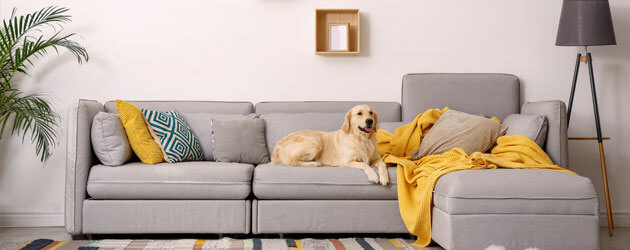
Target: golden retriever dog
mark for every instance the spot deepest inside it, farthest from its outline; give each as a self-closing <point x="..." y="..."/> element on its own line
<point x="353" y="146"/>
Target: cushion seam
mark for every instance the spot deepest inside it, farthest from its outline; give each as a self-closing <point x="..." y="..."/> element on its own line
<point x="317" y="183"/>
<point x="168" y="182"/>
<point x="514" y="198"/>
<point x="548" y="214"/>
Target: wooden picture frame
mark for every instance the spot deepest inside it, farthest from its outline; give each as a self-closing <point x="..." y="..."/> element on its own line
<point x="339" y="37"/>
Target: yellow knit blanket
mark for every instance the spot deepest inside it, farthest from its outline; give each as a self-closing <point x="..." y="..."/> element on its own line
<point x="416" y="179"/>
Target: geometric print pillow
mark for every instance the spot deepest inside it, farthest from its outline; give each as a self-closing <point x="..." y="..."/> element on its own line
<point x="169" y="130"/>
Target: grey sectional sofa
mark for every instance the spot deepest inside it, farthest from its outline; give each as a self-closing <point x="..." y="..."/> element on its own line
<point x="473" y="209"/>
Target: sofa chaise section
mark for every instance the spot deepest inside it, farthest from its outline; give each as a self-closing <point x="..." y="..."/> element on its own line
<point x="514" y="208"/>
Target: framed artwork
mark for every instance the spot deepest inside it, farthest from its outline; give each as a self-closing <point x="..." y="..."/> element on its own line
<point x="338" y="35"/>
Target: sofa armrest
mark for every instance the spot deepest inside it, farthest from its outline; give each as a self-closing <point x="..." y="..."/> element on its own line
<point x="79" y="159"/>
<point x="557" y="142"/>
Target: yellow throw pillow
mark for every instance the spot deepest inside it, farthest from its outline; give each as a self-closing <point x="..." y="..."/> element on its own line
<point x="140" y="139"/>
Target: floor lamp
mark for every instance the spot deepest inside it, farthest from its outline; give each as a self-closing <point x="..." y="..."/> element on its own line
<point x="588" y="23"/>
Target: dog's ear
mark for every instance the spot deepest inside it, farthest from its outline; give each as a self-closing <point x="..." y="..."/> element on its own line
<point x="375" y="120"/>
<point x="346" y="124"/>
<point x="375" y="126"/>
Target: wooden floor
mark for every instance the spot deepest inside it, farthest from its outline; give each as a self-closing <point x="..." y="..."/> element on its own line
<point x="621" y="240"/>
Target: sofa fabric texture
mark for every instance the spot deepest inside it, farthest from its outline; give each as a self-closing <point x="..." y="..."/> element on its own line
<point x="485" y="94"/>
<point x="79" y="159"/>
<point x="279" y="125"/>
<point x="515" y="231"/>
<point x="514" y="191"/>
<point x="390" y="126"/>
<point x="210" y="107"/>
<point x="387" y="111"/>
<point x="531" y="126"/>
<point x="319" y="183"/>
<point x="192" y="180"/>
<point x="327" y="216"/>
<point x="453" y="129"/>
<point x="167" y="216"/>
<point x="557" y="143"/>
<point x="109" y="140"/>
<point x="138" y="133"/>
<point x="176" y="140"/>
<point x="240" y="140"/>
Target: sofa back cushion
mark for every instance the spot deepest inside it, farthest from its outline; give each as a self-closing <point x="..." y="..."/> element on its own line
<point x="387" y="111"/>
<point x="279" y="125"/>
<point x="283" y="118"/>
<point x="198" y="115"/>
<point x="242" y="108"/>
<point x="484" y="94"/>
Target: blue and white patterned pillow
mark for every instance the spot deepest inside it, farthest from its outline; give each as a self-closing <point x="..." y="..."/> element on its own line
<point x="170" y="131"/>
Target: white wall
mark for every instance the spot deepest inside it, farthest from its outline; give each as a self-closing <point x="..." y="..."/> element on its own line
<point x="263" y="50"/>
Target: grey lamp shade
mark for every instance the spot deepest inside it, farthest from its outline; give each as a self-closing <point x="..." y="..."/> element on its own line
<point x="585" y="23"/>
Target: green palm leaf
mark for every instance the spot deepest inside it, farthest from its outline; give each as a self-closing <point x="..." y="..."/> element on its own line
<point x="24" y="40"/>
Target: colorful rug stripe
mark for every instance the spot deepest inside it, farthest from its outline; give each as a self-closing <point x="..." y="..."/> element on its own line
<point x="37" y="244"/>
<point x="385" y="244"/>
<point x="225" y="243"/>
<point x="290" y="243"/>
<point x="396" y="244"/>
<point x="364" y="244"/>
<point x="54" y="245"/>
<point x="337" y="244"/>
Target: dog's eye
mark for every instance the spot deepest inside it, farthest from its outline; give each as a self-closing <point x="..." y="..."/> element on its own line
<point x="359" y="113"/>
<point x="371" y="113"/>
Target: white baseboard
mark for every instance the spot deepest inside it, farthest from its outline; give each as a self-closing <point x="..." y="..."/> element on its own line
<point x="620" y="219"/>
<point x="31" y="220"/>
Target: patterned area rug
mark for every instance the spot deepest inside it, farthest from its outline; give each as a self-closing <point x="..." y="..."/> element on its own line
<point x="225" y="243"/>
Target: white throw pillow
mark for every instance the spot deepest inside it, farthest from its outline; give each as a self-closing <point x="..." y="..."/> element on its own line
<point x="109" y="140"/>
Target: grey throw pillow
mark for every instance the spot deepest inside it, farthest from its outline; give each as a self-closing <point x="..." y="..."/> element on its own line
<point x="109" y="140"/>
<point x="199" y="122"/>
<point x="240" y="140"/>
<point x="457" y="129"/>
<point x="532" y="126"/>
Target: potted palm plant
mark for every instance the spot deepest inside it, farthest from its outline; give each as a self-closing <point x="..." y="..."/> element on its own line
<point x="23" y="40"/>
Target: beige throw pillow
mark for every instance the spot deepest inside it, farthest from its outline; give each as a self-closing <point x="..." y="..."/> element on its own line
<point x="457" y="129"/>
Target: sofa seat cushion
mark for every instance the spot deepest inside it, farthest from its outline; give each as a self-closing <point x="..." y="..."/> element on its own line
<point x="166" y="181"/>
<point x="319" y="183"/>
<point x="514" y="191"/>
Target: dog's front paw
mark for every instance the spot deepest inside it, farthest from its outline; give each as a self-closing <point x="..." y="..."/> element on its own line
<point x="372" y="176"/>
<point x="384" y="179"/>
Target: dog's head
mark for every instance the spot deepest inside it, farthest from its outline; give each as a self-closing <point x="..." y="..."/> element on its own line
<point x="360" y="120"/>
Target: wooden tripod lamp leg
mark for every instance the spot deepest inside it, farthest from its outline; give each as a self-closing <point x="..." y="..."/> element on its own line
<point x="611" y="226"/>
<point x="601" y="146"/>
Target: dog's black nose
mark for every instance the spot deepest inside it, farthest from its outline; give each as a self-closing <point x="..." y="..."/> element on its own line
<point x="369" y="121"/>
